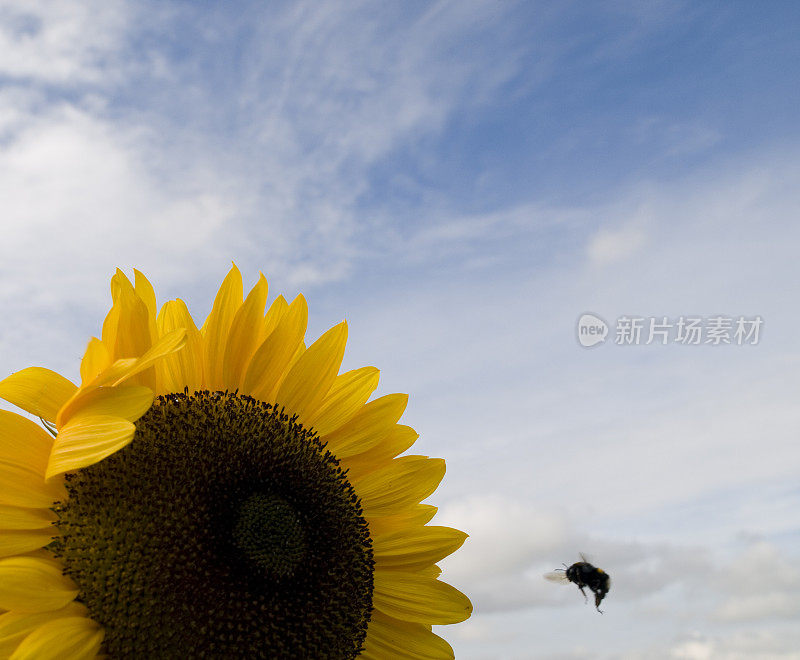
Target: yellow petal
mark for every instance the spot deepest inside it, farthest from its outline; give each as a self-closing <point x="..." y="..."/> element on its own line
<point x="95" y="359"/>
<point x="68" y="638"/>
<point x="417" y="598"/>
<point x="17" y="541"/>
<point x="217" y="326"/>
<point x="15" y="517"/>
<point x="405" y="521"/>
<point x="348" y="393"/>
<point x="145" y="291"/>
<point x="127" y="401"/>
<point x="120" y="285"/>
<point x="123" y="370"/>
<point x="276" y="312"/>
<point x="270" y="360"/>
<point x="298" y="353"/>
<point x="392" y="638"/>
<point x="166" y="345"/>
<point x="34" y="584"/>
<point x="132" y="336"/>
<point x="369" y="426"/>
<point x="16" y="626"/>
<point x="109" y="333"/>
<point x="244" y="335"/>
<point x="184" y="368"/>
<point x="22" y="440"/>
<point x="306" y="385"/>
<point x="25" y="487"/>
<point x="401" y="484"/>
<point x="116" y="372"/>
<point x="416" y="548"/>
<point x="86" y="440"/>
<point x="432" y="571"/>
<point x="399" y="439"/>
<point x="38" y="391"/>
<point x="24" y="451"/>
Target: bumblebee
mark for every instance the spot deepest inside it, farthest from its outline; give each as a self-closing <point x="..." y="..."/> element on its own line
<point x="584" y="574"/>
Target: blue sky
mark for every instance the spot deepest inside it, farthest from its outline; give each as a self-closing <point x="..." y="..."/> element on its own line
<point x="461" y="181"/>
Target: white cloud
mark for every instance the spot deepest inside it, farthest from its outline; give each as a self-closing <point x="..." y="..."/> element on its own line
<point x="88" y="185"/>
<point x="78" y="198"/>
<point x="693" y="649"/>
<point x="765" y="644"/>
<point x="762" y="584"/>
<point x="675" y="139"/>
<point x="62" y="43"/>
<point x="510" y="545"/>
<point x="610" y="245"/>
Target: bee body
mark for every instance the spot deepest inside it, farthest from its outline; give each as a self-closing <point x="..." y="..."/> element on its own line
<point x="584" y="574"/>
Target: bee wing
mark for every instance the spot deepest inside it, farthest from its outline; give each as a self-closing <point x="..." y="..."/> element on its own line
<point x="584" y="558"/>
<point x="556" y="576"/>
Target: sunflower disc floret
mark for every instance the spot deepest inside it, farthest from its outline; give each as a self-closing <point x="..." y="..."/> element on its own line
<point x="237" y="530"/>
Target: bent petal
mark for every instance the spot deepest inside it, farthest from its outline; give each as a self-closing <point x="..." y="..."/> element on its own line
<point x="86" y="440"/>
<point x="127" y="401"/>
<point x="166" y="345"/>
<point x="38" y="391"/>
<point x="122" y="370"/>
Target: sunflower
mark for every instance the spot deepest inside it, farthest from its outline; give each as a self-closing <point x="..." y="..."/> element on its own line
<point x="220" y="491"/>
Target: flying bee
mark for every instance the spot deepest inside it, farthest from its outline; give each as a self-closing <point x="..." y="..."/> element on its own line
<point x="584" y="574"/>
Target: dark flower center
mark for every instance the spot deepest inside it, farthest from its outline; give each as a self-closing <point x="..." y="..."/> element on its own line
<point x="224" y="530"/>
<point x="270" y="534"/>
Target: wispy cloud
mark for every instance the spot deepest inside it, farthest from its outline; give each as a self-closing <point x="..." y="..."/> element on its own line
<point x="90" y="181"/>
<point x="66" y="44"/>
